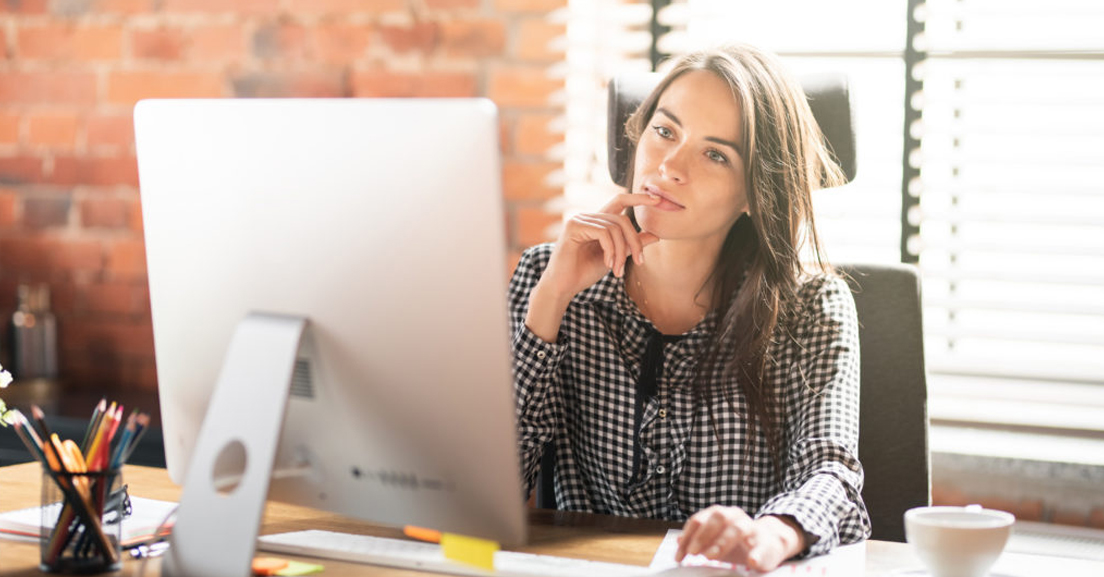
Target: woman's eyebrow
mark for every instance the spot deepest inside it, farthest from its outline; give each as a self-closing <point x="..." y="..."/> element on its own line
<point x="670" y="115"/>
<point x="676" y="120"/>
<point x="727" y="143"/>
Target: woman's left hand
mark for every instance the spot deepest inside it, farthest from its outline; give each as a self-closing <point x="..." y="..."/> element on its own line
<point x="728" y="534"/>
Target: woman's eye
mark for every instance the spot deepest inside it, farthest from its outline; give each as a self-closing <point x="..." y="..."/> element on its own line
<point x="663" y="131"/>
<point x="716" y="156"/>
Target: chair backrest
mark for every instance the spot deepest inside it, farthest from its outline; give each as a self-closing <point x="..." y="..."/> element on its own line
<point x="893" y="397"/>
<point x="893" y="420"/>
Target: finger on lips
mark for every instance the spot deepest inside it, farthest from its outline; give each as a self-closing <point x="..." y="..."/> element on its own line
<point x="624" y="200"/>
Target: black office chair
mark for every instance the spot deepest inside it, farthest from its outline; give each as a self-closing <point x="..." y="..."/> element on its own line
<point x="893" y="427"/>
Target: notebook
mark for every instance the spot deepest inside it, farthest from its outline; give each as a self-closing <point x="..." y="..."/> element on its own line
<point x="146" y="515"/>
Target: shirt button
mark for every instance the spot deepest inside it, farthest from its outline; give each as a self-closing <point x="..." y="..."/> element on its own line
<point x="663" y="413"/>
<point x="661" y="469"/>
<point x="541" y="354"/>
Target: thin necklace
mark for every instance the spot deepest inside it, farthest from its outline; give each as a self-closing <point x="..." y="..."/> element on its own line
<point x="642" y="299"/>
<point x="641" y="296"/>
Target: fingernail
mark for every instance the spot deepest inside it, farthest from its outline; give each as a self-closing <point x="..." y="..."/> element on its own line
<point x="713" y="552"/>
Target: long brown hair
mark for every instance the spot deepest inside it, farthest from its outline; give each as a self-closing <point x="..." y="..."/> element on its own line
<point x="760" y="268"/>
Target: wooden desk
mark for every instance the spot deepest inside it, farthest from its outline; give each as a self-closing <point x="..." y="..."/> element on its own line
<point x="584" y="536"/>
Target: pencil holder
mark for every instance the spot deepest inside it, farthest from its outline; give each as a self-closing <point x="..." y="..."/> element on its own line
<point x="82" y="521"/>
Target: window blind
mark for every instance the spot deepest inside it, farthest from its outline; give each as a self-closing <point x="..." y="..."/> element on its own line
<point x="604" y="38"/>
<point x="859" y="222"/>
<point x="1008" y="149"/>
<point x="1011" y="189"/>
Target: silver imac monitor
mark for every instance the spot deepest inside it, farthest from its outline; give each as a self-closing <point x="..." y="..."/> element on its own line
<point x="328" y="289"/>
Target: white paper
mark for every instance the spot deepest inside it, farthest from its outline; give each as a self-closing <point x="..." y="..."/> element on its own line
<point x="843" y="561"/>
<point x="145" y="516"/>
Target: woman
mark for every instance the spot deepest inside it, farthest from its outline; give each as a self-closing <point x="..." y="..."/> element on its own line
<point x="674" y="347"/>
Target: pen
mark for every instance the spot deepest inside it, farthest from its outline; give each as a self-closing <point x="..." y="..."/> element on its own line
<point x="97" y="414"/>
<point x="76" y="504"/>
<point x="422" y="534"/>
<point x="80" y="503"/>
<point x="141" y="424"/>
<point x="40" y="421"/>
<point x="121" y="448"/>
<point x="98" y="438"/>
<point x="27" y="434"/>
<point x="149" y="549"/>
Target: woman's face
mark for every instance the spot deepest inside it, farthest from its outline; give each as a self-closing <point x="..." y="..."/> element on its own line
<point x="689" y="155"/>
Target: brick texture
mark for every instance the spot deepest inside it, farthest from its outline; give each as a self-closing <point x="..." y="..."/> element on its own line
<point x="40" y="212"/>
<point x="105" y="213"/>
<point x="53" y="129"/>
<point x="451" y="4"/>
<point x="343" y="7"/>
<point x="385" y="83"/>
<point x="70" y="211"/>
<point x="95" y="171"/>
<point x="526" y="181"/>
<point x="539" y="40"/>
<point x="535" y="225"/>
<point x="473" y="38"/>
<point x="24" y="7"/>
<point x="158" y="44"/>
<point x="70" y="42"/>
<point x="522" y="86"/>
<point x="1096" y="518"/>
<point x="8" y="200"/>
<point x="539" y="6"/>
<point x="127" y="87"/>
<point x="416" y="37"/>
<point x="535" y="135"/>
<point x="112" y="129"/>
<point x="1027" y="502"/>
<point x="216" y="43"/>
<point x="9" y="128"/>
<point x="39" y="87"/>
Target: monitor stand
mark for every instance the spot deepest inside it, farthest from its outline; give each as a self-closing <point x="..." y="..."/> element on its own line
<point x="215" y="533"/>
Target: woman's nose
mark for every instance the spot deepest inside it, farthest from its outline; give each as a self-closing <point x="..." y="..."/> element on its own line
<point x="674" y="164"/>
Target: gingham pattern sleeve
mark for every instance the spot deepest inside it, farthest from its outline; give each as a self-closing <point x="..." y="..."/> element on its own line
<point x="823" y="478"/>
<point x="535" y="366"/>
<point x="684" y="453"/>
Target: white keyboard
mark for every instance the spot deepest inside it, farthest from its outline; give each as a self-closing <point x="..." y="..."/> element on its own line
<point x="428" y="557"/>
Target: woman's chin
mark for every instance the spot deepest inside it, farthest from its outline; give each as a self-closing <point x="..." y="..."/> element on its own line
<point x="653" y="223"/>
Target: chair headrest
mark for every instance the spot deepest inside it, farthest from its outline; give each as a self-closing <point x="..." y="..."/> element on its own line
<point x="828" y="94"/>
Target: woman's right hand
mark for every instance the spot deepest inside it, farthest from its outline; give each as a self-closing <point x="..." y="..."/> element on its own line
<point x="590" y="245"/>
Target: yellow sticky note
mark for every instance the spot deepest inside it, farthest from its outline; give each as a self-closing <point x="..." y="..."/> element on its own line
<point x="296" y="568"/>
<point x="469" y="550"/>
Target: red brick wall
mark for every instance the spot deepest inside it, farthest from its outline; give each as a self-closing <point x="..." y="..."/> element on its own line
<point x="72" y="71"/>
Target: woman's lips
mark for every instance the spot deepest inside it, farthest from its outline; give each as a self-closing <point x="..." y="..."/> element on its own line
<point x="665" y="201"/>
<point x="667" y="205"/>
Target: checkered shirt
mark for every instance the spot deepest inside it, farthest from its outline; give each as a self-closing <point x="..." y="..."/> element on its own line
<point x="580" y="394"/>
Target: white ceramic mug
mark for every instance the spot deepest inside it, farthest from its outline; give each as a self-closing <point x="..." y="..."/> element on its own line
<point x="958" y="541"/>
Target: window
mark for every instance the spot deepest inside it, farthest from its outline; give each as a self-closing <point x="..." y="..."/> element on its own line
<point x="1011" y="192"/>
<point x="861" y="221"/>
<point x="1005" y="213"/>
<point x="604" y="37"/>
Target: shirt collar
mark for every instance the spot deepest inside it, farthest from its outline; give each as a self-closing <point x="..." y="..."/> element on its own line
<point x="610" y="291"/>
